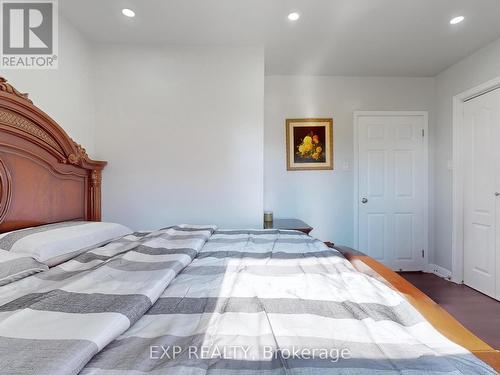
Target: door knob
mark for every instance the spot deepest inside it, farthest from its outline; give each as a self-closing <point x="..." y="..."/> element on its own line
<point x="364" y="200"/>
<point x="497" y="194"/>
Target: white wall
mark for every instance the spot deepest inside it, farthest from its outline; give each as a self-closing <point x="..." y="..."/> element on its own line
<point x="478" y="68"/>
<point x="66" y="94"/>
<point x="150" y="101"/>
<point x="324" y="199"/>
<point x="182" y="129"/>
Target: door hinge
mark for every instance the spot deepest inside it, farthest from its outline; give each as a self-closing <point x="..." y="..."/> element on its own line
<point x="423" y="133"/>
<point x="423" y="253"/>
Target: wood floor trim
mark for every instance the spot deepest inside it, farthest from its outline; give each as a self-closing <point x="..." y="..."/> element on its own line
<point x="435" y="314"/>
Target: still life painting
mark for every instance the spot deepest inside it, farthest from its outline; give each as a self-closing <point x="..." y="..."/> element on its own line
<point x="309" y="144"/>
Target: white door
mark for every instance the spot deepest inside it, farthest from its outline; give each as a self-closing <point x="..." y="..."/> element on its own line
<point x="481" y="158"/>
<point x="392" y="188"/>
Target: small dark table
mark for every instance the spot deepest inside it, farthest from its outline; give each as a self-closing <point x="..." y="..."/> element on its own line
<point x="289" y="224"/>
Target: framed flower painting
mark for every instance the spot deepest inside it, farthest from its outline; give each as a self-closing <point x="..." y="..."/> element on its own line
<point x="309" y="144"/>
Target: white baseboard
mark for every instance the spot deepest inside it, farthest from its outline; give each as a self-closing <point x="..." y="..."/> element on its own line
<point x="438" y="271"/>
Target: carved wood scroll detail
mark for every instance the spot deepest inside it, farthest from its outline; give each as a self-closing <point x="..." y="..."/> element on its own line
<point x="7" y="87"/>
<point x="22" y="123"/>
<point x="5" y="190"/>
<point x="79" y="156"/>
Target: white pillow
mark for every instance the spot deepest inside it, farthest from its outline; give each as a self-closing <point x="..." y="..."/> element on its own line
<point x="55" y="243"/>
<point x="17" y="266"/>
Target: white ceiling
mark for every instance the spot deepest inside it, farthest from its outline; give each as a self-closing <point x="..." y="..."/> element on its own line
<point x="332" y="37"/>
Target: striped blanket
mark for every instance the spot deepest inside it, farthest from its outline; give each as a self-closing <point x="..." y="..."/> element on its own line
<point x="188" y="300"/>
<point x="279" y="302"/>
<point x="54" y="322"/>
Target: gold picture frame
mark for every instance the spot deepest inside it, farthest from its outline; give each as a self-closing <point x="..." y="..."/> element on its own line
<point x="309" y="144"/>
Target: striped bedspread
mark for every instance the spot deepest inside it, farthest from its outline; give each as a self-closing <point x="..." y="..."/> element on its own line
<point x="279" y="302"/>
<point x="55" y="321"/>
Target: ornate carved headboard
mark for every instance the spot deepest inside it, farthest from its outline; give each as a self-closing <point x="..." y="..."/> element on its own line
<point x="45" y="176"/>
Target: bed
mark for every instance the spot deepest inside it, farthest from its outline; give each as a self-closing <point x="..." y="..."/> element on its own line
<point x="189" y="299"/>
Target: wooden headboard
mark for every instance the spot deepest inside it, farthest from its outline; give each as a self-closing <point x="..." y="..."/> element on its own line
<point x="45" y="177"/>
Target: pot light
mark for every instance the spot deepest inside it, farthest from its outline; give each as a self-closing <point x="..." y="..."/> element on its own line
<point x="294" y="16"/>
<point x="128" y="12"/>
<point x="456" y="20"/>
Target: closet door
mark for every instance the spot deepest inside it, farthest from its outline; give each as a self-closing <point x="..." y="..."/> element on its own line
<point x="481" y="192"/>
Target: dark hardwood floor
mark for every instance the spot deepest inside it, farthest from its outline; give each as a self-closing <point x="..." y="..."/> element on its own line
<point x="476" y="311"/>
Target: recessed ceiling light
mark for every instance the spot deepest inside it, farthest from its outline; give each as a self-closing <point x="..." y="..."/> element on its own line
<point x="456" y="20"/>
<point x="294" y="16"/>
<point x="128" y="12"/>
